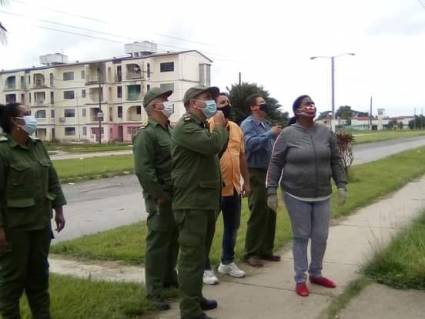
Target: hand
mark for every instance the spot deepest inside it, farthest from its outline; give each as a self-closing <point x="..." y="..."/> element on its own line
<point x="276" y="130"/>
<point x="219" y="119"/>
<point x="272" y="202"/>
<point x="3" y="241"/>
<point x="246" y="190"/>
<point x="59" y="219"/>
<point x="342" y="196"/>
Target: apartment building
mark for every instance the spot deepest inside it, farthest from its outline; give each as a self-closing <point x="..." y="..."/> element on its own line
<point x="73" y="102"/>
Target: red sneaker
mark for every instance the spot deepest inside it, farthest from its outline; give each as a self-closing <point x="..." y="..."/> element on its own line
<point x="301" y="289"/>
<point x="322" y="281"/>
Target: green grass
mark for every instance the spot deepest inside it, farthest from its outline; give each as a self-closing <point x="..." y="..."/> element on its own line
<point x="368" y="183"/>
<point x="73" y="298"/>
<point x="402" y="263"/>
<point x="342" y="300"/>
<point x="74" y="170"/>
<point x="86" y="148"/>
<point x="378" y="136"/>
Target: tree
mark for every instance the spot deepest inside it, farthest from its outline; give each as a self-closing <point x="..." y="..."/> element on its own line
<point x="3" y="29"/>
<point x="239" y="93"/>
<point x="345" y="149"/>
<point x="324" y="115"/>
<point x="417" y="123"/>
<point x="345" y="112"/>
<point x="392" y="124"/>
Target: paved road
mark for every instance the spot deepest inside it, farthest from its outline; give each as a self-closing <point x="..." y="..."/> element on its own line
<point x="103" y="204"/>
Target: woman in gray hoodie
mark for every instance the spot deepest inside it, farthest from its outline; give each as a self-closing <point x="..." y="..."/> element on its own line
<point x="304" y="159"/>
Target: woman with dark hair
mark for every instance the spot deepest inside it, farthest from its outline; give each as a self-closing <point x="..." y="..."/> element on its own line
<point x="29" y="190"/>
<point x="304" y="158"/>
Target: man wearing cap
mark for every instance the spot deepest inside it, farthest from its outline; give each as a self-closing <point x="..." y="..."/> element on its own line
<point x="152" y="162"/>
<point x="196" y="197"/>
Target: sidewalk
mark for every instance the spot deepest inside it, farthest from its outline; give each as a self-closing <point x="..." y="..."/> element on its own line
<point x="269" y="292"/>
<point x="89" y="155"/>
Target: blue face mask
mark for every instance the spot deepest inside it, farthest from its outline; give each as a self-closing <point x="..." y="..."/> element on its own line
<point x="30" y="124"/>
<point x="209" y="109"/>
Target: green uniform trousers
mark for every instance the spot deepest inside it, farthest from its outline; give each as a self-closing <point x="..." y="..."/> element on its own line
<point x="161" y="251"/>
<point x="196" y="232"/>
<point x="261" y="228"/>
<point x="24" y="267"/>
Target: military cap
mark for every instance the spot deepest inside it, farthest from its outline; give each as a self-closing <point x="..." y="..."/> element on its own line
<point x="197" y="90"/>
<point x="154" y="93"/>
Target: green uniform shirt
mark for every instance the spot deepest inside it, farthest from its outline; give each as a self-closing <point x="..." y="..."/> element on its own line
<point x="152" y="160"/>
<point x="196" y="169"/>
<point x="29" y="185"/>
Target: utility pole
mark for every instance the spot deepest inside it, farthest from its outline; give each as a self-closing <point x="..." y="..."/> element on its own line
<point x="240" y="78"/>
<point x="99" y="111"/>
<point x="370" y="114"/>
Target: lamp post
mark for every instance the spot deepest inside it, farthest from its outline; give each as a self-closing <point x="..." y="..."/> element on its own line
<point x="332" y="58"/>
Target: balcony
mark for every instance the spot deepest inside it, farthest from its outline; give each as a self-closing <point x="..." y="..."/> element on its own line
<point x="134" y="72"/>
<point x="39" y="81"/>
<point x="10" y="84"/>
<point x="134" y="113"/>
<point x="95" y="73"/>
<point x="133" y="92"/>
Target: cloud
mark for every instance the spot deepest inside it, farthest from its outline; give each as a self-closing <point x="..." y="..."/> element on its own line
<point x="407" y="23"/>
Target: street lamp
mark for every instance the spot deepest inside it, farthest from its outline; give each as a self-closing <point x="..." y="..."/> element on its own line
<point x="332" y="58"/>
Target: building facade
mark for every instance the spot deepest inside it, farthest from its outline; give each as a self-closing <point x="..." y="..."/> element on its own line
<point x="73" y="102"/>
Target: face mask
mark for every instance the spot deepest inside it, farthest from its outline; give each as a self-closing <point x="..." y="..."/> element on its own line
<point x="227" y="110"/>
<point x="168" y="109"/>
<point x="30" y="124"/>
<point x="264" y="107"/>
<point x="309" y="111"/>
<point x="209" y="109"/>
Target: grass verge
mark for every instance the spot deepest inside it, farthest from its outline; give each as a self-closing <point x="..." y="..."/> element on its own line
<point x="340" y="302"/>
<point x="76" y="170"/>
<point x="368" y="182"/>
<point x="402" y="264"/>
<point x="86" y="148"/>
<point x="379" y="136"/>
<point x="73" y="298"/>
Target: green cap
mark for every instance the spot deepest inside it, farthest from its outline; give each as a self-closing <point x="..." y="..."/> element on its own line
<point x="197" y="90"/>
<point x="154" y="93"/>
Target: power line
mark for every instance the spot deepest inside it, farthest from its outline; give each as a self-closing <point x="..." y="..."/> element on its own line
<point x="217" y="56"/>
<point x="109" y="22"/>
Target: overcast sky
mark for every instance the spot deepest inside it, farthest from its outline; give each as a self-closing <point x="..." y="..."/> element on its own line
<point x="270" y="42"/>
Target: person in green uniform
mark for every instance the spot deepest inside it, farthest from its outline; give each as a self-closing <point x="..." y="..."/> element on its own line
<point x="152" y="159"/>
<point x="196" y="192"/>
<point x="29" y="190"/>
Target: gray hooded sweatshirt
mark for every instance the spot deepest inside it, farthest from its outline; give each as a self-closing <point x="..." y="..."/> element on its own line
<point x="304" y="160"/>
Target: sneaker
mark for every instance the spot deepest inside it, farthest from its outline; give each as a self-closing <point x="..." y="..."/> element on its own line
<point x="209" y="278"/>
<point x="322" y="281"/>
<point x="208" y="304"/>
<point x="301" y="289"/>
<point x="231" y="270"/>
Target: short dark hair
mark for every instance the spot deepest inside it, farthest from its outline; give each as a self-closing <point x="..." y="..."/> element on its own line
<point x="224" y="94"/>
<point x="7" y="112"/>
<point x="251" y="100"/>
<point x="297" y="102"/>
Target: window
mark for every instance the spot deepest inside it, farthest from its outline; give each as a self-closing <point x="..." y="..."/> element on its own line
<point x="52" y="98"/>
<point x="119" y="91"/>
<point x="84" y="130"/>
<point x="132" y="130"/>
<point x="166" y="67"/>
<point x="52" y="114"/>
<point x="133" y="92"/>
<point x="83" y="93"/>
<point x="148" y="87"/>
<point x="119" y="111"/>
<point x="51" y="79"/>
<point x="69" y="113"/>
<point x="40" y="114"/>
<point x="83" y="113"/>
<point x="69" y="131"/>
<point x="29" y="97"/>
<point x="23" y="86"/>
<point x="68" y="76"/>
<point x="10" y="98"/>
<point x="83" y="74"/>
<point x="68" y="95"/>
<point x="29" y="79"/>
<point x="95" y="130"/>
<point x="148" y="71"/>
<point x="205" y="74"/>
<point x="138" y="109"/>
<point x="167" y="86"/>
<point x="119" y="73"/>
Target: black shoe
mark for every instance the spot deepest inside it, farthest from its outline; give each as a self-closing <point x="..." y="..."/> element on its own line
<point x="159" y="304"/>
<point x="208" y="304"/>
<point x="203" y="316"/>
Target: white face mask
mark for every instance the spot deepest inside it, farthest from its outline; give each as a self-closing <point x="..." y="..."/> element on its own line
<point x="168" y="108"/>
<point x="30" y="124"/>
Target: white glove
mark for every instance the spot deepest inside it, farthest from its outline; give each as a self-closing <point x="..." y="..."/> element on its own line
<point x="342" y="196"/>
<point x="272" y="202"/>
